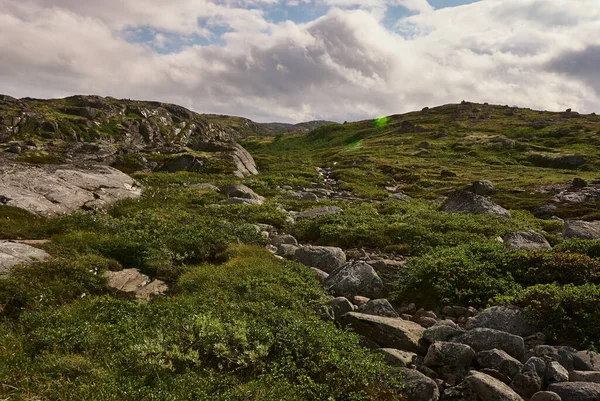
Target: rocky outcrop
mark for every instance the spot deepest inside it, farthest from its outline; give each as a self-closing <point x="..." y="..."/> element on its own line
<point x="468" y="202"/>
<point x="50" y="190"/>
<point x="14" y="253"/>
<point x="582" y="229"/>
<point x="135" y="284"/>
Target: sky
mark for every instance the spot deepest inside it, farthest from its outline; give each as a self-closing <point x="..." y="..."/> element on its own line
<point x="300" y="60"/>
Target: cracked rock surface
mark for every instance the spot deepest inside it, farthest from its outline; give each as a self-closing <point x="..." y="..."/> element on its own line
<point x="13" y="253"/>
<point x="50" y="190"/>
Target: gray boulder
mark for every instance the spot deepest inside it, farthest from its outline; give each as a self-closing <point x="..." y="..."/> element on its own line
<point x="240" y="191"/>
<point x="449" y="354"/>
<point x="530" y="379"/>
<point x="14" y="253"/>
<point x="395" y="357"/>
<point x="563" y="355"/>
<point x="287" y="251"/>
<point x="418" y="387"/>
<point x="321" y="211"/>
<point x="284" y="239"/>
<point x="556" y="373"/>
<point x="378" y="307"/>
<point x="50" y="190"/>
<point x="488" y="388"/>
<point x="303" y="196"/>
<point x="242" y="201"/>
<point x="581" y="229"/>
<point x="243" y="161"/>
<point x="320" y="274"/>
<point x="388" y="332"/>
<point x="205" y="187"/>
<point x="441" y="333"/>
<point x="583" y="376"/>
<point x="355" y="278"/>
<point x="576" y="391"/>
<point x="525" y="240"/>
<point x="586" y="360"/>
<point x="468" y="202"/>
<point x="340" y="306"/>
<point x="326" y="258"/>
<point x="481" y="187"/>
<point x="500" y="361"/>
<point x="510" y="319"/>
<point x="482" y="339"/>
<point x="545" y="396"/>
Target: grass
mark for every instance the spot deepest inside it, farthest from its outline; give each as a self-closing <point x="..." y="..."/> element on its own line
<point x="239" y="324"/>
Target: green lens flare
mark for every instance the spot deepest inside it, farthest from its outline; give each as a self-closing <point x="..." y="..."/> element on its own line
<point x="381" y="122"/>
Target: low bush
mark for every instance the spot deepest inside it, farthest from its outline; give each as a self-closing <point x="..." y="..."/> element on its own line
<point x="242" y="330"/>
<point x="569" y="314"/>
<point x="475" y="274"/>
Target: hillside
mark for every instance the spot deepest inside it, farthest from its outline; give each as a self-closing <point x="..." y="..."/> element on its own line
<point x="451" y="253"/>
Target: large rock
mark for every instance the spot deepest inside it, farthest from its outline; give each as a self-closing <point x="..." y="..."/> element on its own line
<point x="441" y="333"/>
<point x="240" y="191"/>
<point x="378" y="307"/>
<point x="481" y="187"/>
<point x="418" y="387"/>
<point x="582" y="229"/>
<point x="14" y="253"/>
<point x="243" y="161"/>
<point x="340" y="306"/>
<point x="525" y="240"/>
<point x="395" y="357"/>
<point x="490" y="389"/>
<point x="468" y="202"/>
<point x="326" y="258"/>
<point x="355" y="278"/>
<point x="530" y="379"/>
<point x="449" y="354"/>
<point x="50" y="190"/>
<point x="586" y="360"/>
<point x="510" y="319"/>
<point x="500" y="361"/>
<point x="321" y="211"/>
<point x="133" y="283"/>
<point x="388" y="332"/>
<point x="583" y="376"/>
<point x="563" y="355"/>
<point x="485" y="339"/>
<point x="303" y="196"/>
<point x="576" y="391"/>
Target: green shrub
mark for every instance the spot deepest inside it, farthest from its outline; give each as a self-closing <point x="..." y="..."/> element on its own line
<point x="231" y="330"/>
<point x="54" y="282"/>
<point x="474" y="274"/>
<point x="590" y="248"/>
<point x="569" y="314"/>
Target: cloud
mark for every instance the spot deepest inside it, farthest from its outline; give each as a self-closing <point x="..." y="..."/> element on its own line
<point x="342" y="65"/>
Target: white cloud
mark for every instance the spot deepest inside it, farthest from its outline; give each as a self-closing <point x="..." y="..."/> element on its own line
<point x="343" y="65"/>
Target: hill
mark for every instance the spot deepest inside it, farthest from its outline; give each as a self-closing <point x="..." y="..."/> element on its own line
<point x="450" y="253"/>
